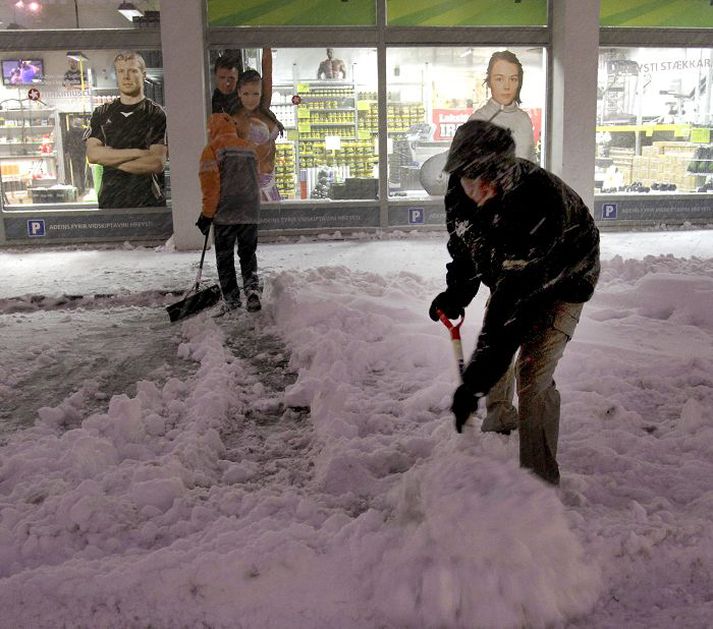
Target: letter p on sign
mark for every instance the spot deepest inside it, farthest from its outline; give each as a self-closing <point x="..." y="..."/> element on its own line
<point x="609" y="210"/>
<point x="35" y="227"/>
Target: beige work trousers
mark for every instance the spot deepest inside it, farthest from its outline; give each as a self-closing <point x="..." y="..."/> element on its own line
<point x="538" y="410"/>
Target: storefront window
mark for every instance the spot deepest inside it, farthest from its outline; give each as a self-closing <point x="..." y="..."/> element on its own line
<point x="61" y="14"/>
<point x="432" y="91"/>
<point x="325" y="99"/>
<point x="46" y="104"/>
<point x="654" y="121"/>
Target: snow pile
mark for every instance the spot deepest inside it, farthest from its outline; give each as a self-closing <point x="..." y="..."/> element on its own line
<point x="481" y="546"/>
<point x="146" y="514"/>
<point x="167" y="483"/>
<point x="478" y="542"/>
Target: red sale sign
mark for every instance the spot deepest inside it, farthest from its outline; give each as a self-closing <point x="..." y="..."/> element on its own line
<point x="447" y="121"/>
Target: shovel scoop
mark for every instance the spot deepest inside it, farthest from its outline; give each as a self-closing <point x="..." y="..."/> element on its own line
<point x="196" y="299"/>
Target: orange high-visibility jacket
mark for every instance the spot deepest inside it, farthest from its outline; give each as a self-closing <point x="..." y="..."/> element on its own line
<point x="228" y="175"/>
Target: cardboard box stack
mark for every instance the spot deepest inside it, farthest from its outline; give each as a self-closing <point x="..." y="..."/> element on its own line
<point x="667" y="162"/>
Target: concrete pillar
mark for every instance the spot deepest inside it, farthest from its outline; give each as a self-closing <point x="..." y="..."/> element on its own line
<point x="184" y="65"/>
<point x="575" y="54"/>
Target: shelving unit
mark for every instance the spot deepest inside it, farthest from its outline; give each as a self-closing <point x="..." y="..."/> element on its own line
<point x="28" y="156"/>
<point x="325" y="132"/>
<point x="333" y="130"/>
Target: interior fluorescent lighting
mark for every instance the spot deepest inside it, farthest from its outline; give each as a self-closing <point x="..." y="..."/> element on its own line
<point x="129" y="11"/>
<point x="77" y="56"/>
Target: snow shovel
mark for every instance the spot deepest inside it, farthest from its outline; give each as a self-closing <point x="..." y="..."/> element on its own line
<point x="455" y="337"/>
<point x="195" y="300"/>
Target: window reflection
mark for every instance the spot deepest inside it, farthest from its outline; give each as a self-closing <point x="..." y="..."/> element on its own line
<point x="654" y="121"/>
<point x="432" y="91"/>
<point x="43" y="121"/>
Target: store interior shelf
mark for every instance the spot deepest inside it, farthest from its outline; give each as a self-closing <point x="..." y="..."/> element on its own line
<point x="27" y="111"/>
<point x="29" y="127"/>
<point x="28" y="156"/>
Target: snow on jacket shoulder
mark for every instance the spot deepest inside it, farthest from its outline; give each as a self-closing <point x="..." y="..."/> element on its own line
<point x="228" y="175"/>
<point x="534" y="245"/>
<point x="537" y="240"/>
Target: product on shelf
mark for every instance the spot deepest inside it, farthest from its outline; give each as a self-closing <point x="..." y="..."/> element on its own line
<point x="285" y="169"/>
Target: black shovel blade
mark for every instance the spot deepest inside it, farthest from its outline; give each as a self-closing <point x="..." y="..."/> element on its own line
<point x="194" y="303"/>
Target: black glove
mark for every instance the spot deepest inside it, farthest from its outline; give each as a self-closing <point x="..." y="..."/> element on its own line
<point x="203" y="223"/>
<point x="448" y="303"/>
<point x="465" y="403"/>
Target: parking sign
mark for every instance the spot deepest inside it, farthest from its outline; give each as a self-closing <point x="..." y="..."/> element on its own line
<point x="416" y="216"/>
<point x="609" y="210"/>
<point x="36" y="227"/>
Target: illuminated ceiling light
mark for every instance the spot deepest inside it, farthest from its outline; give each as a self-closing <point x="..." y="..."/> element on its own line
<point x="77" y="56"/>
<point x="129" y="11"/>
<point x="34" y="6"/>
<point x="20" y="4"/>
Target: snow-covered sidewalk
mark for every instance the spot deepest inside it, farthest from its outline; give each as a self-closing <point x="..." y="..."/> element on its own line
<point x="298" y="468"/>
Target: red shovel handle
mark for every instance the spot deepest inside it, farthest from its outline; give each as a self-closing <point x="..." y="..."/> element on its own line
<point x="454" y="330"/>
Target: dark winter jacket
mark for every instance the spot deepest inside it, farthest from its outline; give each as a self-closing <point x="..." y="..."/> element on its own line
<point x="224" y="103"/>
<point x="534" y="245"/>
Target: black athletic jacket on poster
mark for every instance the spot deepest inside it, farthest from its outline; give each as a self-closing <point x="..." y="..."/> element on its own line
<point x="224" y="103"/>
<point x="534" y="245"/>
<point x="136" y="126"/>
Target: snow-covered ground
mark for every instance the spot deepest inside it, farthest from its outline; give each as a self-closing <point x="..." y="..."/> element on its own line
<point x="298" y="468"/>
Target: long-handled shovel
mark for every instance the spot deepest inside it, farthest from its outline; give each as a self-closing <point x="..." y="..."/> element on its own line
<point x="454" y="330"/>
<point x="195" y="300"/>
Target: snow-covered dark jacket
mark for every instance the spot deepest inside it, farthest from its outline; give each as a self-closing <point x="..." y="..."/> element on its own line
<point x="533" y="245"/>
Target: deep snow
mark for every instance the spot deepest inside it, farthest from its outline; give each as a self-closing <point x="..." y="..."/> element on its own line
<point x="298" y="468"/>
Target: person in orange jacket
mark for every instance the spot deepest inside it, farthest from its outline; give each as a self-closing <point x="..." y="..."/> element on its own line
<point x="231" y="203"/>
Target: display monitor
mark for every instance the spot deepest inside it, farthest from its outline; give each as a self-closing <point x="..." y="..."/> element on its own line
<point x="22" y="71"/>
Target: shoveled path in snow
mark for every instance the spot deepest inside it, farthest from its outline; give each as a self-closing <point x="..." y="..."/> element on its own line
<point x="273" y="437"/>
<point x="69" y="352"/>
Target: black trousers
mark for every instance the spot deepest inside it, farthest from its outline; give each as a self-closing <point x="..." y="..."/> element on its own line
<point x="225" y="237"/>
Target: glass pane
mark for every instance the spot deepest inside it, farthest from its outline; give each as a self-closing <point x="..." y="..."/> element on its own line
<point x="654" y="120"/>
<point x="326" y="100"/>
<point x="656" y="13"/>
<point x="432" y="91"/>
<point x="47" y="100"/>
<point x="471" y="13"/>
<point x="291" y="13"/>
<point x="60" y="14"/>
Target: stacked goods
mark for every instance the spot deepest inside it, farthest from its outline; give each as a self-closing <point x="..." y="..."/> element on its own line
<point x="285" y="169"/>
<point x="668" y="163"/>
<point x="702" y="163"/>
<point x="400" y="117"/>
<point x="358" y="155"/>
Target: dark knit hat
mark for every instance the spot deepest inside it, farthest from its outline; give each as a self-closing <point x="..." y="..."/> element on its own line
<point x="481" y="148"/>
